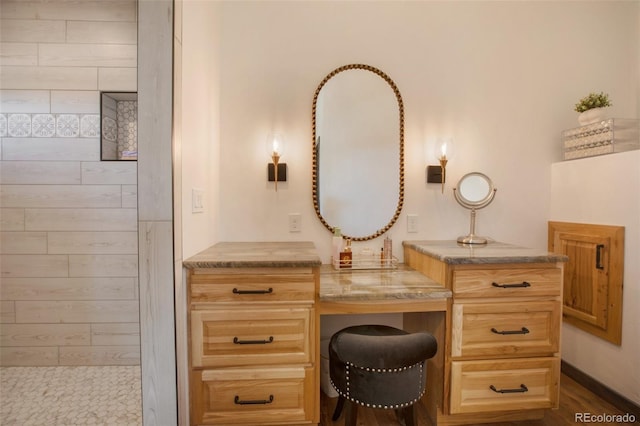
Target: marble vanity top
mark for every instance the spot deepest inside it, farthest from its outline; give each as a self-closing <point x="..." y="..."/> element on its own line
<point x="286" y="254"/>
<point x="454" y="253"/>
<point x="377" y="285"/>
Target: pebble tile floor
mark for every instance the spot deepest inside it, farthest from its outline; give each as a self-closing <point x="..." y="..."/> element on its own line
<point x="65" y="396"/>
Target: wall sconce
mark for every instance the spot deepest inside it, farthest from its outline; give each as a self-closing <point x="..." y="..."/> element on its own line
<point x="276" y="171"/>
<point x="438" y="174"/>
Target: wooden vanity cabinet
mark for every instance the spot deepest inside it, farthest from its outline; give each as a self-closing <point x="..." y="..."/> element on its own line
<point x="502" y="340"/>
<point x="252" y="346"/>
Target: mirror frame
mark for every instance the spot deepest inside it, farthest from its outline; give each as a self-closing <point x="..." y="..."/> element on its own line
<point x="316" y="202"/>
<point x="483" y="202"/>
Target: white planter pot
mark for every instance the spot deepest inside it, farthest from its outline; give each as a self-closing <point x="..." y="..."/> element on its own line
<point x="591" y="116"/>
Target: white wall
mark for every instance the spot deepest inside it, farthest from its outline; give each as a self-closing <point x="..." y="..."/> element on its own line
<point x="500" y="78"/>
<point x="200" y="122"/>
<point x="605" y="190"/>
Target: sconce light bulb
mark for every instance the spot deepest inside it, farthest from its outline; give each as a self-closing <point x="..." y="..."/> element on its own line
<point x="275" y="145"/>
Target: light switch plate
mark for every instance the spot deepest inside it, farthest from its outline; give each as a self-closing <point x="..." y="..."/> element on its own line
<point x="295" y="222"/>
<point x="412" y="223"/>
<point x="197" y="200"/>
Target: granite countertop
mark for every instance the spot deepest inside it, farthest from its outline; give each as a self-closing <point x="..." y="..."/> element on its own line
<point x="377" y="285"/>
<point x="285" y="254"/>
<point x="454" y="253"/>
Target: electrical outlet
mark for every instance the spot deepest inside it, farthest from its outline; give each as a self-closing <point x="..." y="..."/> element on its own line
<point x="412" y="223"/>
<point x="295" y="222"/>
<point x="197" y="200"/>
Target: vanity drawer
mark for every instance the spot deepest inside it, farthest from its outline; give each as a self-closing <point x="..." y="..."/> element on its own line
<point x="233" y="337"/>
<point x="503" y="385"/>
<point x="297" y="285"/>
<point x="499" y="329"/>
<point x="252" y="396"/>
<point x="507" y="282"/>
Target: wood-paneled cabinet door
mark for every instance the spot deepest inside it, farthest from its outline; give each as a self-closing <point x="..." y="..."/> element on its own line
<point x="592" y="296"/>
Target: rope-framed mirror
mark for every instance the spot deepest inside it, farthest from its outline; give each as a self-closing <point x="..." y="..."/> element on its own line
<point x="358" y="151"/>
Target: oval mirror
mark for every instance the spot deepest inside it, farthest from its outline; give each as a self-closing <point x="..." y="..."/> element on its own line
<point x="358" y="151"/>
<point x="474" y="191"/>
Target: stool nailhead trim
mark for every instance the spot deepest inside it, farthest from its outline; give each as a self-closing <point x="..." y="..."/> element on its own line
<point x="378" y="370"/>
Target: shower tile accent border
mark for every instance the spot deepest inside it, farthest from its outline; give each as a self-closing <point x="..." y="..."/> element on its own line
<point x="24" y="125"/>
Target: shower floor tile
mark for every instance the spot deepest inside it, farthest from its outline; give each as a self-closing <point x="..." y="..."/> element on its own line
<point x="64" y="396"/>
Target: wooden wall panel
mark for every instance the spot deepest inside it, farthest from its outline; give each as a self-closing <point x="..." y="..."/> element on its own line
<point x="59" y="78"/>
<point x="103" y="265"/>
<point x="109" y="172"/>
<point x="93" y="242"/>
<point x="23" y="242"/>
<point x="123" y="334"/>
<point x="11" y="219"/>
<point x="75" y="101"/>
<point x="32" y="30"/>
<point x="85" y="288"/>
<point x="87" y="10"/>
<point x="100" y="355"/>
<point x="45" y="335"/>
<point x="25" y="101"/>
<point x="20" y="54"/>
<point x="53" y="149"/>
<point x="34" y="265"/>
<point x="81" y="219"/>
<point x="29" y="356"/>
<point x="102" y="32"/>
<point x="67" y="196"/>
<point x="124" y="79"/>
<point x="76" y="311"/>
<point x="77" y="55"/>
<point x="7" y="312"/>
<point x="40" y="172"/>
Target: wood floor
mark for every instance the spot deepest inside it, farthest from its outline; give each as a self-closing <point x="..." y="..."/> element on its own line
<point x="573" y="399"/>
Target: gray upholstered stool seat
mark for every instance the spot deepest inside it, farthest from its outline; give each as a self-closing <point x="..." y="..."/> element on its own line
<point x="378" y="366"/>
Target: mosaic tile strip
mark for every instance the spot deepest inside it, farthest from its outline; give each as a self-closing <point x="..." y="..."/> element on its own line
<point x="67" y="125"/>
<point x="90" y="126"/>
<point x="3" y="125"/>
<point x="43" y="125"/>
<point x="19" y="125"/>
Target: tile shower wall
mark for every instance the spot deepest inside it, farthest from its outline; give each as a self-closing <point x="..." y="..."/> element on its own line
<point x="68" y="222"/>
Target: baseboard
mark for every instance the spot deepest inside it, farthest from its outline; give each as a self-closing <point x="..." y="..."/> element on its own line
<point x="602" y="391"/>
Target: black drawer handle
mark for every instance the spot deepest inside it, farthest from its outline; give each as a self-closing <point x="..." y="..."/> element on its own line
<point x="523" y="284"/>
<point x="238" y="401"/>
<point x="521" y="389"/>
<point x="252" y="342"/>
<point x="599" y="249"/>
<point x="523" y="330"/>
<point x="268" y="291"/>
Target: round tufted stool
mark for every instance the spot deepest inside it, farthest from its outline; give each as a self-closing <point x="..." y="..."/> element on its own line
<point x="378" y="366"/>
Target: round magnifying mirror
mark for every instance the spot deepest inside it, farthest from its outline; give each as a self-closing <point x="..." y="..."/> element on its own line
<point x="474" y="191"/>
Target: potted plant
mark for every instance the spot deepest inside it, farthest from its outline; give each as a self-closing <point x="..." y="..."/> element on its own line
<point x="592" y="108"/>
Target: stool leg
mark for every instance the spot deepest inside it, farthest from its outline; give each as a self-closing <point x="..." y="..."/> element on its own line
<point x="408" y="415"/>
<point x="338" y="410"/>
<point x="351" y="414"/>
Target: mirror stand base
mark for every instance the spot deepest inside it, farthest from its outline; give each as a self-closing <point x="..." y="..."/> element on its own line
<point x="472" y="239"/>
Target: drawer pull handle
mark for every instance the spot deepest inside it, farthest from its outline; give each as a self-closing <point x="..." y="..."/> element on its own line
<point x="521" y="389"/>
<point x="599" y="249"/>
<point x="268" y="291"/>
<point x="523" y="284"/>
<point x="252" y="342"/>
<point x="523" y="330"/>
<point x="238" y="401"/>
